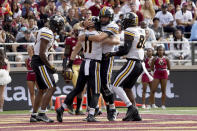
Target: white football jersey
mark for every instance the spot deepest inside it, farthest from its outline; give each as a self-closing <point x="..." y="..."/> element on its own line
<point x="91" y="49"/>
<point x="112" y="28"/>
<point x="43" y="33"/>
<point x="137" y="48"/>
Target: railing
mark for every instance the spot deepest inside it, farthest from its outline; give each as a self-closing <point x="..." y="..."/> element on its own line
<point x="192" y="60"/>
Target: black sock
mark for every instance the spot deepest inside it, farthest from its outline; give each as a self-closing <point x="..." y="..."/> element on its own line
<point x="79" y="100"/>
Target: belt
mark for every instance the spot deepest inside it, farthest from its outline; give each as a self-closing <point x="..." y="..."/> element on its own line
<point x="161" y="69"/>
<point x="93" y="60"/>
<point x="137" y="60"/>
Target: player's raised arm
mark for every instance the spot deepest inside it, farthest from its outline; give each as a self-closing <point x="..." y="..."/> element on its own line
<point x="112" y="40"/>
<point x="77" y="49"/>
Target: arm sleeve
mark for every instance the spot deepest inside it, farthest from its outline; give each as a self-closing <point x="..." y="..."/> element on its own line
<point x="46" y="36"/>
<point x="111" y="31"/>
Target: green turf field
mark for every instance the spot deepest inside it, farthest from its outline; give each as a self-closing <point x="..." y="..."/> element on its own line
<point x="169" y="110"/>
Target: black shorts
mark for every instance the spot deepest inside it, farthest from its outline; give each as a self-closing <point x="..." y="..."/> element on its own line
<point x="128" y="74"/>
<point x="44" y="76"/>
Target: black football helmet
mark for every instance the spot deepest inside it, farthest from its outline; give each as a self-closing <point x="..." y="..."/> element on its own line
<point x="130" y="20"/>
<point x="56" y="23"/>
<point x="106" y="12"/>
<point x="96" y="22"/>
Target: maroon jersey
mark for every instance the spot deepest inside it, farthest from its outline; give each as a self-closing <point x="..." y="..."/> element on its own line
<point x="31" y="76"/>
<point x="4" y="67"/>
<point x="148" y="63"/>
<point x="160" y="63"/>
<point x="160" y="68"/>
<point x="148" y="67"/>
<point x="70" y="43"/>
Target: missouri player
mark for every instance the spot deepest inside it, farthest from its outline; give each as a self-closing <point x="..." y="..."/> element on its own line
<point x="44" y="71"/>
<point x="89" y="73"/>
<point x="127" y="76"/>
<point x="110" y="30"/>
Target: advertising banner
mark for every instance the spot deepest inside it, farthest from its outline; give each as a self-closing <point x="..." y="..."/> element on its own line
<point x="181" y="91"/>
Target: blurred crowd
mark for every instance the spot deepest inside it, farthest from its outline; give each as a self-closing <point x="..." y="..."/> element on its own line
<point x="163" y="20"/>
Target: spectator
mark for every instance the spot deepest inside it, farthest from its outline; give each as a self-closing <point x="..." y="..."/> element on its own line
<point x="148" y="12"/>
<point x="63" y="8"/>
<point x="23" y="48"/>
<point x="65" y="32"/>
<point x="150" y="35"/>
<point x="95" y="9"/>
<point x="171" y="9"/>
<point x="133" y="7"/>
<point x="43" y="17"/>
<point x="79" y="8"/>
<point x="166" y="19"/>
<point x="126" y="7"/>
<point x="193" y="36"/>
<point x="32" y="25"/>
<point x="9" y="31"/>
<point x="88" y="14"/>
<point x="50" y="8"/>
<point x="158" y="30"/>
<point x="184" y="19"/>
<point x="16" y="10"/>
<point x="70" y="17"/>
<point x="2" y="35"/>
<point x="117" y="12"/>
<point x="27" y="10"/>
<point x="89" y="3"/>
<point x="185" y="53"/>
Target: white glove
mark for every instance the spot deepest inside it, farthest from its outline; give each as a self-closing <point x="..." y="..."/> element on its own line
<point x="56" y="78"/>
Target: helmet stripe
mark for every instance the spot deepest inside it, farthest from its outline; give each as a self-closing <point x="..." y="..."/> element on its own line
<point x="103" y="10"/>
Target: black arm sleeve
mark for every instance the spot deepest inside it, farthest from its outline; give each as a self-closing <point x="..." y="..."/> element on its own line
<point x="109" y="33"/>
<point x="123" y="50"/>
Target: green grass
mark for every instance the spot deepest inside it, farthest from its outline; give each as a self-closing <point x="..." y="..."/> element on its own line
<point x="169" y="110"/>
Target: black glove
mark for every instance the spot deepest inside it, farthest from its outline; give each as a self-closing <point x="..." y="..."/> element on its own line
<point x="52" y="69"/>
<point x="109" y="54"/>
<point x="70" y="64"/>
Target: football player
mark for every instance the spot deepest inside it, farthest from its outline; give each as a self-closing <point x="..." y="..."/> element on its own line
<point x="109" y="30"/>
<point x="133" y="48"/>
<point x="43" y="69"/>
<point x="89" y="73"/>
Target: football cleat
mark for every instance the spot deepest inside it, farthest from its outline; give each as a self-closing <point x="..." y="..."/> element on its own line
<point x="132" y="114"/>
<point x="43" y="117"/>
<point x="91" y="118"/>
<point x="59" y="114"/>
<point x="97" y="112"/>
<point x="112" y="114"/>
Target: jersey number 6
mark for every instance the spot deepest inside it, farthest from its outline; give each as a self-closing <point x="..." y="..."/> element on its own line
<point x="88" y="45"/>
<point x="141" y="43"/>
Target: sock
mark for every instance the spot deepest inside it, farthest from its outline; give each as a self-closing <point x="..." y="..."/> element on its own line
<point x="92" y="111"/>
<point x="34" y="114"/>
<point x="63" y="106"/>
<point x="121" y="93"/>
<point x="112" y="106"/>
<point x="79" y="100"/>
<point x="42" y="111"/>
